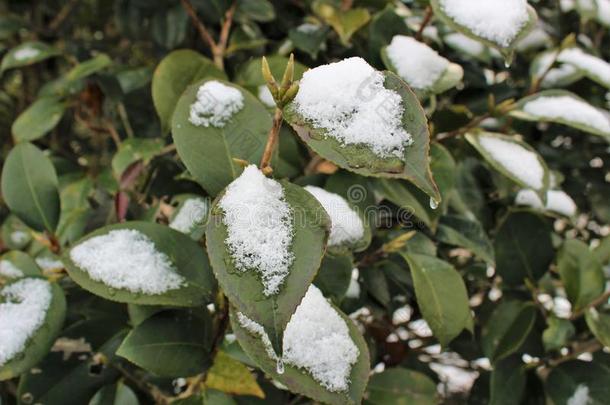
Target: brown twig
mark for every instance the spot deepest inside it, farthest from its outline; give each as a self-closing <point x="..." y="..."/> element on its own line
<point x="602" y="299"/>
<point x="271" y="140"/>
<point x="425" y="22"/>
<point x="203" y="32"/>
<point x="62" y="15"/>
<point x="472" y="124"/>
<point x="152" y="390"/>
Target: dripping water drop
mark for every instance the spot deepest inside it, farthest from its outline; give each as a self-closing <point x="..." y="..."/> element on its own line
<point x="279" y="366"/>
<point x="433" y="203"/>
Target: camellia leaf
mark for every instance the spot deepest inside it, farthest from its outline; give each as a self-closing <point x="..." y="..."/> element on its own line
<point x="523" y="246"/>
<point x="507" y="328"/>
<point x="441" y="296"/>
<point x="189" y="261"/>
<point x="73" y="81"/>
<point x="461" y="231"/>
<point x="30" y="187"/>
<point x="507" y="382"/>
<point x="399" y="386"/>
<point x="575" y="380"/>
<point x="17" y="261"/>
<point x="334" y="276"/>
<point x="560" y="76"/>
<point x="581" y="273"/>
<point x="115" y="394"/>
<point x="209" y="152"/>
<point x="40" y="341"/>
<point x="505" y="44"/>
<point x="557" y="334"/>
<point x="134" y="149"/>
<point x="574" y="112"/>
<point x="413" y="166"/>
<point x="598" y="320"/>
<point x="171" y="343"/>
<point x="245" y="289"/>
<point x="231" y="376"/>
<point x="299" y="380"/>
<point x="26" y="54"/>
<point x="39" y="118"/>
<point x="500" y="152"/>
<point x="344" y="22"/>
<point x="173" y="75"/>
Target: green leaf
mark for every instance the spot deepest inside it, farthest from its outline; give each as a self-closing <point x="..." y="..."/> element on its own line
<point x="188" y="258"/>
<point x="581" y="273"/>
<point x="507" y="328"/>
<point x="115" y="394"/>
<point x="344" y="22"/>
<point x="587" y="381"/>
<point x="173" y="75"/>
<point x="22" y="262"/>
<point x="561" y="76"/>
<point x="507" y="382"/>
<point x="26" y="54"/>
<point x="209" y="152"/>
<point x="170" y="343"/>
<point x="80" y="376"/>
<point x="245" y="289"/>
<point x="598" y="321"/>
<point x="476" y="138"/>
<point x="210" y="397"/>
<point x="232" y="377"/>
<point x="255" y="10"/>
<point x="441" y="296"/>
<point x="195" y="220"/>
<point x="309" y="38"/>
<point x="583" y="124"/>
<point x="72" y="82"/>
<point x="463" y="232"/>
<point x="169" y="26"/>
<point x="557" y="334"/>
<point x="399" y="386"/>
<point x="382" y="28"/>
<point x="30" y="187"/>
<point x="133" y="150"/>
<point x="298" y="380"/>
<point x="38" y="119"/>
<point x="361" y="160"/>
<point x="506" y="49"/>
<point x="397" y="192"/>
<point x="39" y="344"/>
<point x="523" y="246"/>
<point x="334" y="276"/>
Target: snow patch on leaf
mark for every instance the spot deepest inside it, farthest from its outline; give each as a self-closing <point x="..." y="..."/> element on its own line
<point x="556" y="201"/>
<point x="9" y="270"/>
<point x="193" y="212"/>
<point x="215" y="105"/>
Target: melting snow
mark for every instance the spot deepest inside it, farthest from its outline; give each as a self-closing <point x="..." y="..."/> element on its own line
<point x="556" y="201"/>
<point x="193" y="212"/>
<point x="9" y="270"/>
<point x="569" y="109"/>
<point x="216" y="103"/>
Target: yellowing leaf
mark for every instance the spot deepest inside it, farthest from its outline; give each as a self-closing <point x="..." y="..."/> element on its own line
<point x="231" y="376"/>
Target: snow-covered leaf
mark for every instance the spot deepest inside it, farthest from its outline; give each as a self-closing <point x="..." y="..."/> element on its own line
<point x="26" y="54"/>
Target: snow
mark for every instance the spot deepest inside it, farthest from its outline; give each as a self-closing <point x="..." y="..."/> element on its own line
<point x="127" y="259"/>
<point x="586" y="62"/>
<point x="556" y="200"/>
<point x="349" y="101"/>
<point x="216" y="103"/>
<point x="521" y="162"/>
<point x="19" y="237"/>
<point x="347" y="226"/>
<point x="193" y="212"/>
<point x="415" y="62"/>
<point x="353" y="289"/>
<point x="265" y="96"/>
<point x="465" y="44"/>
<point x="580" y="396"/>
<point x="316" y="339"/>
<point x="23" y="308"/>
<point x="568" y="108"/>
<point x="25" y="53"/>
<point x="259" y="227"/>
<point x="308" y="28"/>
<point x="556" y="74"/>
<point x="9" y="270"/>
<point x="536" y="38"/>
<point x="603" y="11"/>
<point x="499" y="21"/>
<point x="49" y="263"/>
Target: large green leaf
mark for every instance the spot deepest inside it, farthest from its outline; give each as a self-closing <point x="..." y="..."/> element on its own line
<point x="580" y="122"/>
<point x="399" y="386"/>
<point x="507" y="382"/>
<point x="170" y="343"/>
<point x="598" y="320"/>
<point x="512" y="172"/>
<point x="30" y="187"/>
<point x="188" y="258"/>
<point x="26" y="54"/>
<point x="80" y="376"/>
<point x="397" y="192"/>
<point x="506" y="49"/>
<point x="115" y="394"/>
<point x="441" y="296"/>
<point x="460" y="231"/>
<point x="334" y="276"/>
<point x="576" y="382"/>
<point x="39" y="344"/>
<point x="209" y="152"/>
<point x="39" y="118"/>
<point x="300" y="381"/>
<point x="344" y="22"/>
<point x="507" y="328"/>
<point x="523" y="247"/>
<point x="581" y="273"/>
<point x="245" y="289"/>
<point x="414" y="165"/>
<point x="174" y="74"/>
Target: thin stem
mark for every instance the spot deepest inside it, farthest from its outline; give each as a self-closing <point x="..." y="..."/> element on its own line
<point x="476" y="121"/>
<point x="425" y="22"/>
<point x="203" y="31"/>
<point x="125" y="120"/>
<point x="538" y="81"/>
<point x="62" y="15"/>
<point x="274" y="133"/>
<point x="152" y="390"/>
<point x="602" y="299"/>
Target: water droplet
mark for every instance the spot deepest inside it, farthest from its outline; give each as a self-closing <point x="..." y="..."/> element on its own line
<point x="507" y="64"/>
<point x="27" y="398"/>
<point x="279" y="366"/>
<point x="433" y="203"/>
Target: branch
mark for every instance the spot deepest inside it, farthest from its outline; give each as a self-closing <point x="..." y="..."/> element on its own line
<point x="425" y="22"/>
<point x="203" y="31"/>
<point x="602" y="299"/>
<point x="272" y="138"/>
<point x="62" y="15"/>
